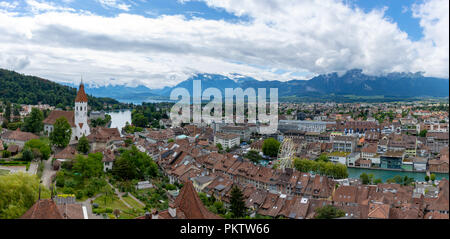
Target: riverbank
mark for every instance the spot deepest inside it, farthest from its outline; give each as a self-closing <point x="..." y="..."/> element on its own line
<point x="387" y="174"/>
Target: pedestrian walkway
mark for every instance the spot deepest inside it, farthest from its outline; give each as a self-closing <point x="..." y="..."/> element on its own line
<point x="120" y="194"/>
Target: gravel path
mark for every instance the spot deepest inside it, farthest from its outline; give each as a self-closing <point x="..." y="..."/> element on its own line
<point x="87" y="204"/>
<point x="48" y="173"/>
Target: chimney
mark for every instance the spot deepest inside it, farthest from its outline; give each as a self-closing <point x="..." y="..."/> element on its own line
<point x="154" y="214"/>
<point x="172" y="210"/>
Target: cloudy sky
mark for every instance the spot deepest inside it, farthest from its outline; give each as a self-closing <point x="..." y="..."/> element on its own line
<point x="163" y="42"/>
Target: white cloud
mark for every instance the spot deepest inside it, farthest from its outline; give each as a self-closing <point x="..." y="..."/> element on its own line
<point x="114" y="4"/>
<point x="9" y="5"/>
<point x="292" y="37"/>
<point x="43" y="6"/>
<point x="433" y="53"/>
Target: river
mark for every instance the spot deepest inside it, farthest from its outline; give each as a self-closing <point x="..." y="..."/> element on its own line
<point x="385" y="174"/>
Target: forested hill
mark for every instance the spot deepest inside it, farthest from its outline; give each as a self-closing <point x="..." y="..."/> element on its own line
<point x="23" y="89"/>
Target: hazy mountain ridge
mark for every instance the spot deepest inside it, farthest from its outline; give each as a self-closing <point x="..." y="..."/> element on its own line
<point x="353" y="82"/>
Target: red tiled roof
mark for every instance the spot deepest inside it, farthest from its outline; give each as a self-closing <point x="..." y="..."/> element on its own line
<point x="103" y="134"/>
<point x="54" y="115"/>
<point x="43" y="209"/>
<point x="13" y="148"/>
<point x="71" y="211"/>
<point x="380" y="211"/>
<point x="66" y="153"/>
<point x="81" y="95"/>
<point x="108" y="156"/>
<point x="191" y="205"/>
<point x="19" y="135"/>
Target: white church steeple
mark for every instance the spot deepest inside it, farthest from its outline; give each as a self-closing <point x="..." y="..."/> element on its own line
<point x="81" y="110"/>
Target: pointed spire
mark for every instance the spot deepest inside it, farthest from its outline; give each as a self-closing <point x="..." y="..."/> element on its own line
<point x="81" y="95"/>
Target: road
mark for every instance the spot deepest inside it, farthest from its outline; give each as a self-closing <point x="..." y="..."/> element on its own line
<point x="48" y="173"/>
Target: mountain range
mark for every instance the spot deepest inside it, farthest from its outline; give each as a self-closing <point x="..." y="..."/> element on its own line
<point x="327" y="86"/>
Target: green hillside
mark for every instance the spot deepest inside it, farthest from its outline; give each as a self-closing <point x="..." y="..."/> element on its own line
<point x="23" y="89"/>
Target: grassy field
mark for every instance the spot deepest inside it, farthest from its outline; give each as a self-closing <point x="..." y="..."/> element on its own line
<point x="3" y="172"/>
<point x="132" y="202"/>
<point x="114" y="202"/>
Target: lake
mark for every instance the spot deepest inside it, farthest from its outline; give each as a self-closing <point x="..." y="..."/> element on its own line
<point x="139" y="102"/>
<point x="385" y="174"/>
<point x="119" y="118"/>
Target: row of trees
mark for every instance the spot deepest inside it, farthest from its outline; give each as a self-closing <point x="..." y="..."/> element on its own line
<point x="330" y="169"/>
<point x="369" y="179"/>
<point x="149" y="114"/>
<point x="101" y="122"/>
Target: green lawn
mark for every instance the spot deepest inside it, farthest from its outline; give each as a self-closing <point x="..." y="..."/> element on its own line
<point x="132" y="202"/>
<point x="114" y="202"/>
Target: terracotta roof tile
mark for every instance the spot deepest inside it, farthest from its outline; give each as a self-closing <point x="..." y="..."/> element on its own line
<point x="191" y="205"/>
<point x="54" y="115"/>
<point x="43" y="209"/>
<point x="81" y="95"/>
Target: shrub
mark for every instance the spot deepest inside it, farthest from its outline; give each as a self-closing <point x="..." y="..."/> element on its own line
<point x="27" y="155"/>
<point x="67" y="164"/>
<point x="69" y="183"/>
<point x="68" y="190"/>
<point x="6" y="154"/>
<point x="79" y="194"/>
<point x="60" y="181"/>
<point x="170" y="187"/>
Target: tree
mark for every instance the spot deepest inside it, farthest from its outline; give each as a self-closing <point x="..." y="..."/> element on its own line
<point x="34" y="122"/>
<point x="423" y="133"/>
<point x="433" y="177"/>
<point x="16" y="110"/>
<point x="8" y="112"/>
<point x="90" y="166"/>
<point x="328" y="212"/>
<point x="254" y="156"/>
<point x="83" y="145"/>
<point x="237" y="203"/>
<point x="337" y="170"/>
<point x="6" y="154"/>
<point x="134" y="164"/>
<point x="19" y="191"/>
<point x="139" y="119"/>
<point x="27" y="155"/>
<point x="323" y="158"/>
<point x="62" y="132"/>
<point x="219" y="146"/>
<point x="364" y="178"/>
<point x="377" y="181"/>
<point x="270" y="147"/>
<point x="41" y="145"/>
<point x="427" y="178"/>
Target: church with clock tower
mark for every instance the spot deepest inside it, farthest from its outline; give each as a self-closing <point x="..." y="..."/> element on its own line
<point x="78" y="119"/>
<point x="81" y="109"/>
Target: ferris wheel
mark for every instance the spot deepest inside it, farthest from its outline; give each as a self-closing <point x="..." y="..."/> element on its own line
<point x="286" y="153"/>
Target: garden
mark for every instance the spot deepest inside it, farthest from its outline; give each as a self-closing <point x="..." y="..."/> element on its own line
<point x="83" y="177"/>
